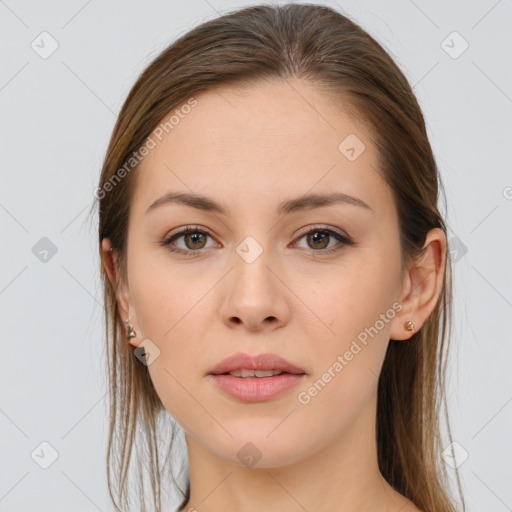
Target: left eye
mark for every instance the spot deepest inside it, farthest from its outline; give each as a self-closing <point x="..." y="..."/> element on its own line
<point x="195" y="239"/>
<point x="319" y="238"/>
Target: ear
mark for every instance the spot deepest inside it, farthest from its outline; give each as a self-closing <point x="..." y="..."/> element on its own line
<point x="421" y="285"/>
<point x="109" y="262"/>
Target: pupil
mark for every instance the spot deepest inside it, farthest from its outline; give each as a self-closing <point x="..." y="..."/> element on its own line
<point x="194" y="236"/>
<point x="316" y="238"/>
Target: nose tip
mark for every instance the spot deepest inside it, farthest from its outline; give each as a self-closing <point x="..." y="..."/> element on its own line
<point x="253" y="298"/>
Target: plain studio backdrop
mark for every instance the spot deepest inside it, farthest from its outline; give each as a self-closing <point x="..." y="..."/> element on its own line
<point x="66" y="68"/>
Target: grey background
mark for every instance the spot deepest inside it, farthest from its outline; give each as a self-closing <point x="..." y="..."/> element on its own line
<point x="57" y="114"/>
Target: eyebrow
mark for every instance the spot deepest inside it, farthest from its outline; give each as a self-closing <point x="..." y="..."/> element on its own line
<point x="306" y="202"/>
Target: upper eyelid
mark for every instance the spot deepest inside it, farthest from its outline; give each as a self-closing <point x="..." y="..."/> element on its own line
<point x="306" y="229"/>
<point x="320" y="227"/>
<point x="182" y="231"/>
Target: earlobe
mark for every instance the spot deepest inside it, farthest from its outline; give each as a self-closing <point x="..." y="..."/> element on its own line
<point x="424" y="282"/>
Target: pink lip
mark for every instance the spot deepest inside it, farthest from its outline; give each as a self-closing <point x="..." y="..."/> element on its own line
<point x="256" y="389"/>
<point x="239" y="361"/>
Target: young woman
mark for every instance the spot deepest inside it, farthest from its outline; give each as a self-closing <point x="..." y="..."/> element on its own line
<point x="276" y="272"/>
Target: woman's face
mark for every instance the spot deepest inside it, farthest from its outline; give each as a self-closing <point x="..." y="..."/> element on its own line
<point x="264" y="280"/>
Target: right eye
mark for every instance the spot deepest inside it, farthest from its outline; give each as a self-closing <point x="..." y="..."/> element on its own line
<point x="193" y="237"/>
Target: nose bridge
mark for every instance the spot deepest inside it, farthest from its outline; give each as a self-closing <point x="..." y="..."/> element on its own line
<point x="253" y="295"/>
<point x="251" y="278"/>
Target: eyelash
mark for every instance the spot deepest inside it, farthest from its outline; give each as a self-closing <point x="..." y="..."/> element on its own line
<point x="193" y="229"/>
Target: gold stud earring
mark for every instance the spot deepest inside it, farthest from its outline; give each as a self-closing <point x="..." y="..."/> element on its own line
<point x="409" y="326"/>
<point x="131" y="333"/>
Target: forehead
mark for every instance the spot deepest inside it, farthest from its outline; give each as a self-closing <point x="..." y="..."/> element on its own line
<point x="262" y="142"/>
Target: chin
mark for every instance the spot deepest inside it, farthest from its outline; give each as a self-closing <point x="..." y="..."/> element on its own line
<point x="253" y="447"/>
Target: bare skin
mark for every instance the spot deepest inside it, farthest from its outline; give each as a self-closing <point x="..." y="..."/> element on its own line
<point x="250" y="150"/>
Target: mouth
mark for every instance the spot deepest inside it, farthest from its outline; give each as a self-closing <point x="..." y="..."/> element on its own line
<point x="259" y="378"/>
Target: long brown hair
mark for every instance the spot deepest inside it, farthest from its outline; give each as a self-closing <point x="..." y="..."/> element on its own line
<point x="321" y="47"/>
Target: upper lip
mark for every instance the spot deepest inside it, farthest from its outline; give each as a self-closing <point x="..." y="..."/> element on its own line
<point x="241" y="361"/>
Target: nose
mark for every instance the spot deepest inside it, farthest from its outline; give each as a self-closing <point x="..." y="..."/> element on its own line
<point x="255" y="297"/>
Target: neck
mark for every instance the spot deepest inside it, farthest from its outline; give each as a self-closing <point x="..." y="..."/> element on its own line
<point x="343" y="475"/>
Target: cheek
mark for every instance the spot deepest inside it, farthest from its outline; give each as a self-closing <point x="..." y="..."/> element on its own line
<point x="352" y="300"/>
<point x="346" y="364"/>
<point x="173" y="310"/>
<point x="169" y="301"/>
<point x="358" y="310"/>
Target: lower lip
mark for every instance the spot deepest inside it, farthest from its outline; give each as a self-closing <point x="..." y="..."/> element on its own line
<point x="257" y="389"/>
